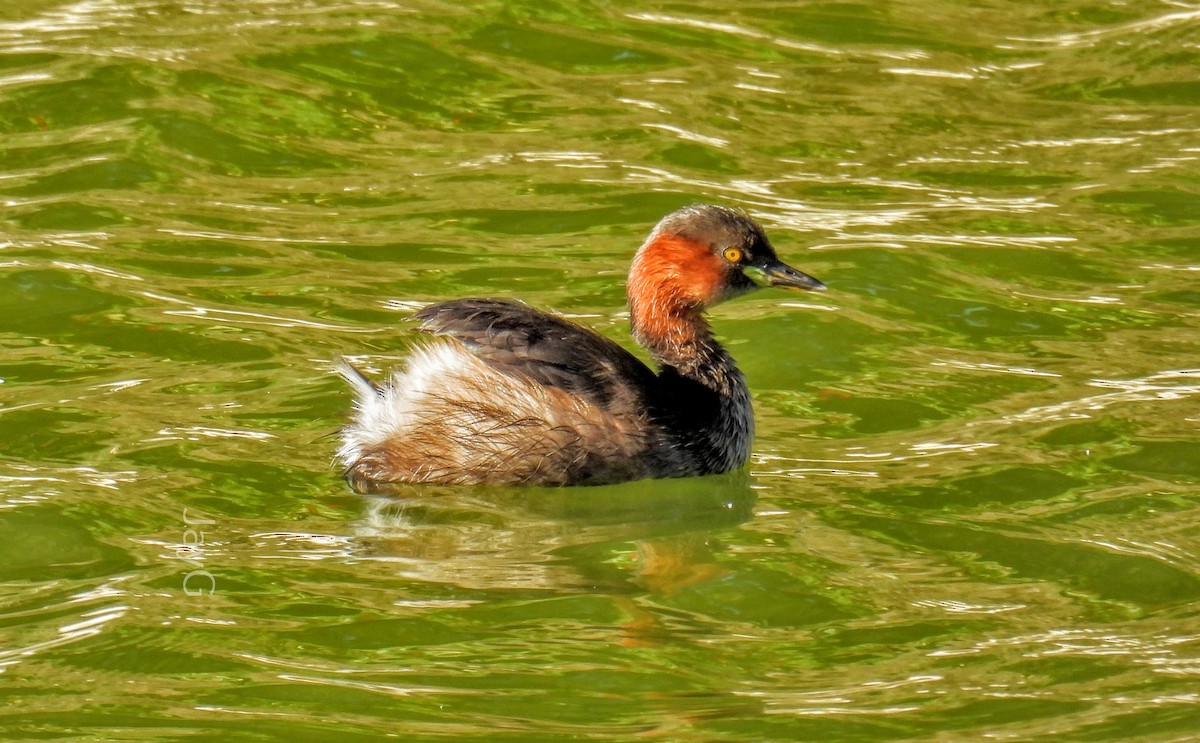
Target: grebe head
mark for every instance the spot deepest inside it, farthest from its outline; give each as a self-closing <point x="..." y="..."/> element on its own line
<point x="704" y="254"/>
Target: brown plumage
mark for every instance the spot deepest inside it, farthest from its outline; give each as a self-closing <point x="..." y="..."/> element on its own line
<point x="506" y="394"/>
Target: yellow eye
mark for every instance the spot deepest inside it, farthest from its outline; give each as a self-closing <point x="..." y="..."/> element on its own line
<point x="733" y="255"/>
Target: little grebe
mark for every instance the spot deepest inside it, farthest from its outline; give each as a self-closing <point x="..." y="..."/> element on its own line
<point x="514" y="395"/>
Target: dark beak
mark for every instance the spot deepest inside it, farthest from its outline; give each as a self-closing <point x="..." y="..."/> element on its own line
<point x="777" y="273"/>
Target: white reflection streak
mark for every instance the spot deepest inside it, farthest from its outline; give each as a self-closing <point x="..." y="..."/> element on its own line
<point x="257" y="318"/>
<point x="863" y="180"/>
<point x="652" y="106"/>
<point x="989" y="241"/>
<point x="670" y="20"/>
<point x="101" y="270"/>
<point x="969" y="366"/>
<point x="324" y="545"/>
<point x="1168" y="267"/>
<point x="961" y="607"/>
<point x="836" y="701"/>
<point x="213" y="235"/>
<point x="1160" y="551"/>
<point x="983" y="204"/>
<point x="94" y="620"/>
<point x="1142" y="389"/>
<point x="400" y="691"/>
<point x="109" y="480"/>
<point x="29" y="478"/>
<point x="564" y="158"/>
<point x="868" y="454"/>
<point x="962" y="160"/>
<point x="689" y="135"/>
<point x="812" y="711"/>
<point x="777" y="211"/>
<point x="86" y="475"/>
<point x="104" y="591"/>
<point x="271" y="713"/>
<point x="1087" y="38"/>
<point x="809" y="306"/>
<point x="1094" y="299"/>
<point x="91" y="624"/>
<point x="28" y="77"/>
<point x="248" y="207"/>
<point x="752" y="187"/>
<point x="64" y="239"/>
<point x="933" y="448"/>
<point x="1158" y="650"/>
<point x="758" y="88"/>
<point x="800" y="472"/>
<point x="1163" y="163"/>
<point x="81" y="16"/>
<point x="755" y="72"/>
<point x="402" y="305"/>
<point x="925" y="72"/>
<point x="1088" y="141"/>
<point x="805" y="46"/>
<point x="325" y="540"/>
<point x="195" y="433"/>
<point x="567" y="156"/>
<point x="302" y="664"/>
<point x="813" y="466"/>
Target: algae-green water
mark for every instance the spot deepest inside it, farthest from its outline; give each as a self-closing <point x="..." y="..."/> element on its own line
<point x="972" y="511"/>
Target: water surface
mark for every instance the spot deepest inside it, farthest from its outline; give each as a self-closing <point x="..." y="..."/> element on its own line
<point x="972" y="510"/>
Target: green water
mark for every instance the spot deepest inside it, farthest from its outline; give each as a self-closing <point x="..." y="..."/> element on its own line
<point x="972" y="511"/>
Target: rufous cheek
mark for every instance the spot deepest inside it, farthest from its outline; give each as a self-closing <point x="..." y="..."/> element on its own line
<point x="697" y="273"/>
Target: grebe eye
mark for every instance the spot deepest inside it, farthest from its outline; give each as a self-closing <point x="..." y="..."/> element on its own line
<point x="733" y="255"/>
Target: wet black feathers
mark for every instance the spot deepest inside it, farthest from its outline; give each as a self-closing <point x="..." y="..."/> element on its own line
<point x="515" y="338"/>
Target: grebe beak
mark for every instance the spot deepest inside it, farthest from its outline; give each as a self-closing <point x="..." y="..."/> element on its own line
<point x="777" y="273"/>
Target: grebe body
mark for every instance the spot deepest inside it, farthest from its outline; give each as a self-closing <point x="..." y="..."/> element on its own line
<point x="508" y="394"/>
